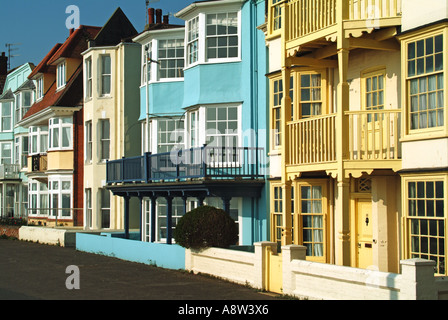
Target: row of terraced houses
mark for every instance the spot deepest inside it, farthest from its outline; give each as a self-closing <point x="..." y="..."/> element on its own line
<point x="318" y="125"/>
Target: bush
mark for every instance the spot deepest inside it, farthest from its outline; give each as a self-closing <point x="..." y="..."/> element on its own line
<point x="205" y="227"/>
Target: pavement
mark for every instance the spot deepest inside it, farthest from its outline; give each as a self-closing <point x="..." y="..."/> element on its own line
<point x="32" y="271"/>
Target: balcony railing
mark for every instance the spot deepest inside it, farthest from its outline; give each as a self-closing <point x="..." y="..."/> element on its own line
<point x="9" y="171"/>
<point x="186" y="164"/>
<point x="312" y="140"/>
<point x="39" y="163"/>
<point x="373" y="135"/>
<point x="305" y="17"/>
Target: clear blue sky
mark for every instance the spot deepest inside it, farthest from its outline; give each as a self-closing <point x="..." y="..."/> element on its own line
<point x="39" y="24"/>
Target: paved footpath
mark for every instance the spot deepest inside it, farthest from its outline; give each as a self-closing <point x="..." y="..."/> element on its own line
<point x="31" y="271"/>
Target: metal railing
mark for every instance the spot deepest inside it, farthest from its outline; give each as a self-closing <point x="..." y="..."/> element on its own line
<point x="9" y="171"/>
<point x="184" y="164"/>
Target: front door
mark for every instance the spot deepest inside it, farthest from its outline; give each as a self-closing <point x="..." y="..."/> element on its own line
<point x="364" y="234"/>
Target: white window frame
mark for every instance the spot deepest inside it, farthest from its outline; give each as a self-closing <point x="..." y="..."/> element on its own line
<point x="4" y="106"/>
<point x="176" y="132"/>
<point x="39" y="88"/>
<point x="177" y="59"/>
<point x="60" y="125"/>
<point x="4" y="146"/>
<point x="200" y="43"/>
<point x="58" y="188"/>
<point x="192" y="44"/>
<point x="146" y="73"/>
<point x="38" y="191"/>
<point x="41" y="140"/>
<point x="61" y="76"/>
<point x="21" y="151"/>
<point x="209" y="37"/>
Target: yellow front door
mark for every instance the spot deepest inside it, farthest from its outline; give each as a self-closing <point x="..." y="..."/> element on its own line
<point x="364" y="234"/>
<point x="274" y="271"/>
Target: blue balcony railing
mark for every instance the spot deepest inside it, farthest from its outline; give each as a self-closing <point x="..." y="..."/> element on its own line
<point x="182" y="165"/>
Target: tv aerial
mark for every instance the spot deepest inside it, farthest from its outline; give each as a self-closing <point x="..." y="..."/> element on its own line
<point x="11" y="49"/>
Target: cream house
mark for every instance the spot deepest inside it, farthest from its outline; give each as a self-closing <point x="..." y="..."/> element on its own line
<point x="111" y="107"/>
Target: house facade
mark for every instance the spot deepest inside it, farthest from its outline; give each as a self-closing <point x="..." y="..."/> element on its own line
<point x="111" y="110"/>
<point x="55" y="132"/>
<point x="16" y="99"/>
<point x="356" y="105"/>
<point x="203" y="120"/>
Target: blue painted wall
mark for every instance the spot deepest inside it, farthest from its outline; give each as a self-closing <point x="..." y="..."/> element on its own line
<point x="162" y="255"/>
<point x="233" y="82"/>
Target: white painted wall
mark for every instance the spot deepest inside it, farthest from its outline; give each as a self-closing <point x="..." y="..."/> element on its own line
<point x="418" y="13"/>
<point x="425" y="154"/>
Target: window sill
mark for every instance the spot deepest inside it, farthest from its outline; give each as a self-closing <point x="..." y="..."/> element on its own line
<point x="214" y="61"/>
<point x="424" y="135"/>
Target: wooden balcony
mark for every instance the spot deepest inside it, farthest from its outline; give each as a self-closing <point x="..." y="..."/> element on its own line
<point x="317" y="23"/>
<point x="373" y="141"/>
<point x="39" y="163"/>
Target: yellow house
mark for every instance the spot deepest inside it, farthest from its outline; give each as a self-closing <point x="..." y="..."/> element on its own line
<point x="359" y="135"/>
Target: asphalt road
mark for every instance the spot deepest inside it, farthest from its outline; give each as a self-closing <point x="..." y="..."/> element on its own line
<point x="31" y="271"/>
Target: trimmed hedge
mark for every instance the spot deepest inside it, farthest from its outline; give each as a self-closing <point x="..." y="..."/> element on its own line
<point x="206" y="227"/>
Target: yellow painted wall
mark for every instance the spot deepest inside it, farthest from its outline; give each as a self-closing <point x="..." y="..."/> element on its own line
<point x="60" y="160"/>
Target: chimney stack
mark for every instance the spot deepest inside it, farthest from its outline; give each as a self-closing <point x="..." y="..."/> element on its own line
<point x="166" y="19"/>
<point x="151" y="16"/>
<point x="3" y="64"/>
<point x="158" y="15"/>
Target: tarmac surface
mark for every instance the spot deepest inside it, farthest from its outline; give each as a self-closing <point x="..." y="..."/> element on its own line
<point x="31" y="271"/>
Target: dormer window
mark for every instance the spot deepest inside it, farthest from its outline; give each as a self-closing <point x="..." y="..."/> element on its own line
<point x="40" y="88"/>
<point x="60" y="76"/>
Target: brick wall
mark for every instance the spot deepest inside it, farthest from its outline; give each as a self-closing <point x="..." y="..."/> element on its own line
<point x="9" y="231"/>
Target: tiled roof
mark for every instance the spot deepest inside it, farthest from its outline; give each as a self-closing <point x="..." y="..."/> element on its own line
<point x="53" y="97"/>
<point x="74" y="46"/>
<point x="43" y="65"/>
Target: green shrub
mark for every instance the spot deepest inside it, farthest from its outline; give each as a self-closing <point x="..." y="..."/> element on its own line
<point x="205" y="227"/>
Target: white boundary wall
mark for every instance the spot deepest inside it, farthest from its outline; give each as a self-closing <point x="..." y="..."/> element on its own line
<point x="314" y="280"/>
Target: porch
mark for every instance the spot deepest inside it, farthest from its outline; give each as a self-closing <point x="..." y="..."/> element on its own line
<point x="223" y="172"/>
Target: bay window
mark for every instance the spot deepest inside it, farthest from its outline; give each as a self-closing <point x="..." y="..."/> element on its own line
<point x="38" y="198"/>
<point x="88" y="141"/>
<point x="38" y="140"/>
<point x="60" y="133"/>
<point x="60" y="196"/>
<point x="222" y="35"/>
<point x="222" y="126"/>
<point x="193" y="40"/>
<point x="171" y="58"/>
<point x="169" y="134"/>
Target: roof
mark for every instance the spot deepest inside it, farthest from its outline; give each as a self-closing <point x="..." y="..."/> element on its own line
<point x="64" y="98"/>
<point x="8" y="95"/>
<point x="43" y="66"/>
<point x="74" y="46"/>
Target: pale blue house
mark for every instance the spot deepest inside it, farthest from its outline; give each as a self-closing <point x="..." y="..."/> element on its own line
<point x="15" y="100"/>
<point x="203" y="120"/>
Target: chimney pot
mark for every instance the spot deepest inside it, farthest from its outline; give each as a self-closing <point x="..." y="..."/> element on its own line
<point x="3" y="64"/>
<point x="151" y="16"/>
<point x="158" y="15"/>
<point x="166" y="19"/>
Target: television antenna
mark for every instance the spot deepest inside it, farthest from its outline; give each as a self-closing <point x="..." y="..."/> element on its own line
<point x="11" y="49"/>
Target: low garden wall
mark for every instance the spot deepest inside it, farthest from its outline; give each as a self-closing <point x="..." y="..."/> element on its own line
<point x="113" y="245"/>
<point x="9" y="231"/>
<point x="51" y="236"/>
